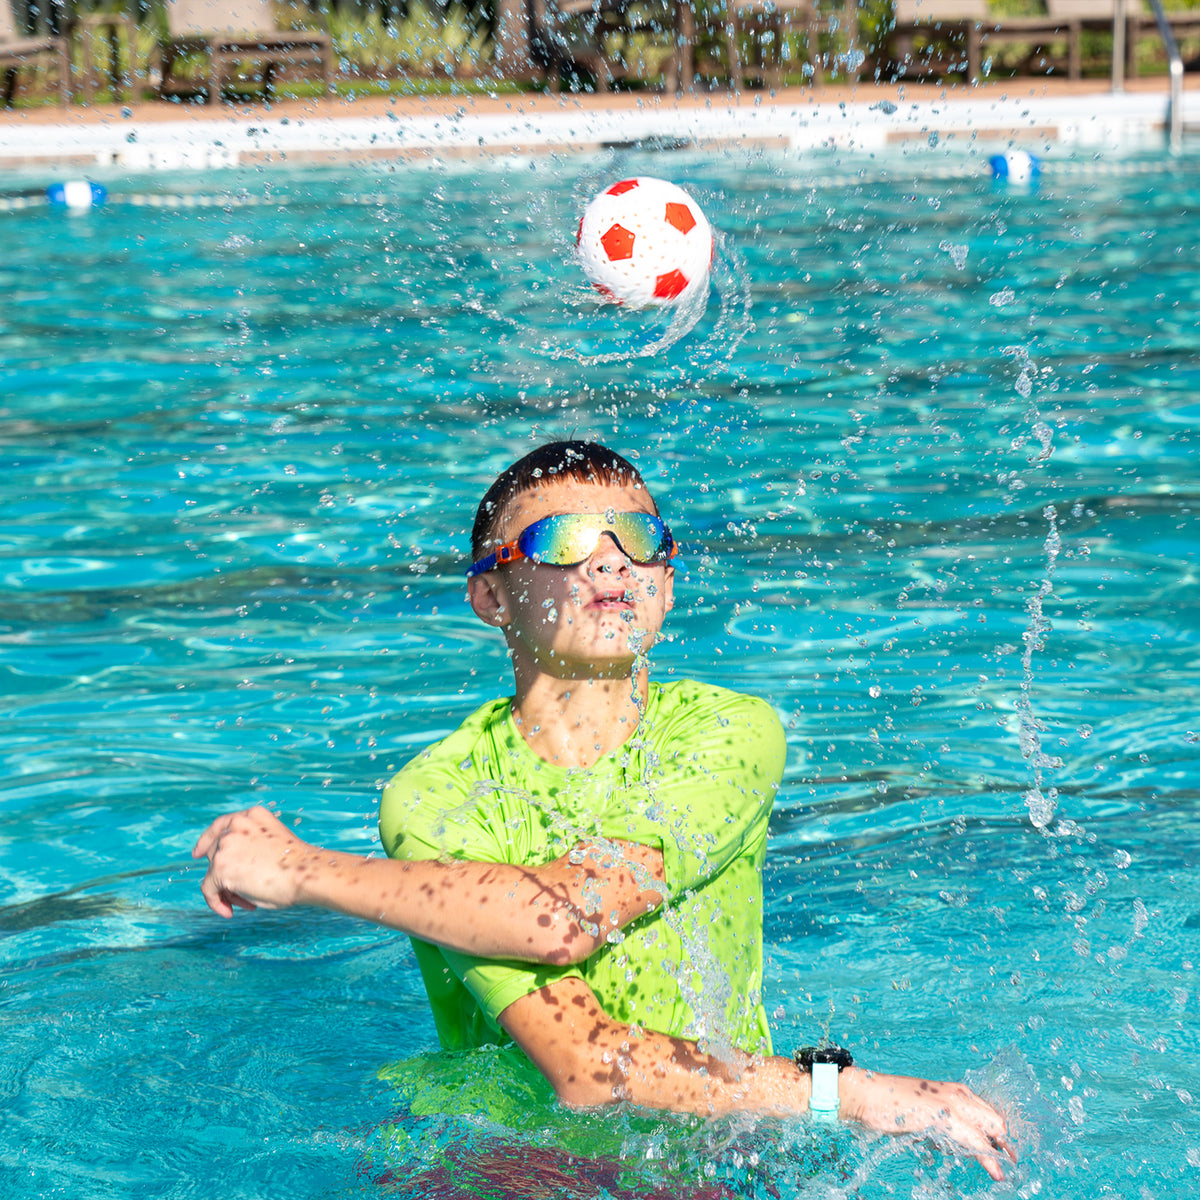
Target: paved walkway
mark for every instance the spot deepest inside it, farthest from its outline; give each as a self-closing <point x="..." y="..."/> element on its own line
<point x="1043" y="115"/>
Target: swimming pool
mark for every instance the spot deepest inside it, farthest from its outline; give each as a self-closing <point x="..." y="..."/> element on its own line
<point x="930" y="451"/>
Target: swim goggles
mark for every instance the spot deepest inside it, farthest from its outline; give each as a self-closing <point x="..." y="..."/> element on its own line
<point x="570" y="538"/>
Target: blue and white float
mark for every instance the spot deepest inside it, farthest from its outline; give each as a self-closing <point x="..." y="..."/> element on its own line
<point x="76" y="194"/>
<point x="1018" y="168"/>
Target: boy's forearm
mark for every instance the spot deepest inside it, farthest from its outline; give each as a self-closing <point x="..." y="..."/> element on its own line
<point x="474" y="908"/>
<point x="556" y="914"/>
<point x="591" y="1060"/>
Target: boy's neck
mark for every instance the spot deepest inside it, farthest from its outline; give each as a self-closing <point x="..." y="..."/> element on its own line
<point x="575" y="722"/>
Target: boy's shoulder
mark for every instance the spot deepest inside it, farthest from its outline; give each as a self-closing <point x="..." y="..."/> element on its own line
<point x="440" y="780"/>
<point x="487" y="722"/>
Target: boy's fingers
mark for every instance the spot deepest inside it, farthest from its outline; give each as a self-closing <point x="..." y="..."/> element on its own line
<point x="974" y="1127"/>
<point x="214" y="896"/>
<point x="221" y="900"/>
<point x="1001" y="1143"/>
<point x="992" y="1167"/>
<point x="207" y="842"/>
<point x="992" y="1164"/>
<point x="997" y="1142"/>
<point x="209" y="838"/>
<point x="240" y="848"/>
<point x="218" y="897"/>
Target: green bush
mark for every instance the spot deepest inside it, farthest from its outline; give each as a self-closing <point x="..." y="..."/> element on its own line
<point x="449" y="42"/>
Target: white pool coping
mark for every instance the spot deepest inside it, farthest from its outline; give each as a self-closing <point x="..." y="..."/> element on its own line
<point x="869" y="121"/>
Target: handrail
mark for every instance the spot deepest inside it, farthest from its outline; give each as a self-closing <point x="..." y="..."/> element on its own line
<point x="1175" y="109"/>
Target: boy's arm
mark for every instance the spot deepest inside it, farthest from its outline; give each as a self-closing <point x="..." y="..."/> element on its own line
<point x="556" y="914"/>
<point x="592" y="1060"/>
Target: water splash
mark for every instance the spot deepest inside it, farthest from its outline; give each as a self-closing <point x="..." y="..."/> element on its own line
<point x="957" y="252"/>
<point x="1027" y="373"/>
<point x="606" y="333"/>
<point x="1041" y="804"/>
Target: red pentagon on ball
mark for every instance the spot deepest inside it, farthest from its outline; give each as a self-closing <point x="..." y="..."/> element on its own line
<point x="670" y="285"/>
<point x="680" y="216"/>
<point x="619" y="189"/>
<point x="617" y="242"/>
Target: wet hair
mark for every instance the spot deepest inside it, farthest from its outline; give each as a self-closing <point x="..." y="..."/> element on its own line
<point x="583" y="462"/>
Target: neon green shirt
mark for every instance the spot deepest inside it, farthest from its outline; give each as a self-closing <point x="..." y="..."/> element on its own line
<point x="696" y="780"/>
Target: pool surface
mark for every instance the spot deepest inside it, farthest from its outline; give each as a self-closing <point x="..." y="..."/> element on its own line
<point x="931" y="453"/>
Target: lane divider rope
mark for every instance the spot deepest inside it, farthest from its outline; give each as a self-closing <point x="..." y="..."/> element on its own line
<point x="53" y="195"/>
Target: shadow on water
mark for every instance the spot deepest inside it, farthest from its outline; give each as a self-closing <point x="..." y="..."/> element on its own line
<point x="51" y="910"/>
<point x="73" y="905"/>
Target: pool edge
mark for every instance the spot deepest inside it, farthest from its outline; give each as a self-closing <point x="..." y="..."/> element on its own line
<point x="1049" y="114"/>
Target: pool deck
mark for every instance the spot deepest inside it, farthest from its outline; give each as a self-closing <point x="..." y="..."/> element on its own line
<point x="1044" y="116"/>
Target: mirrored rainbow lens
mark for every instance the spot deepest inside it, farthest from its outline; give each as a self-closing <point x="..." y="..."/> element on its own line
<point x="571" y="537"/>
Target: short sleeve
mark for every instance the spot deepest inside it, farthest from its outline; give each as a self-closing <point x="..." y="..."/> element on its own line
<point x="433" y="810"/>
<point x="495" y="983"/>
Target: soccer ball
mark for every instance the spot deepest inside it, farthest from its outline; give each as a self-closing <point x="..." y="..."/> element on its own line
<point x="645" y="241"/>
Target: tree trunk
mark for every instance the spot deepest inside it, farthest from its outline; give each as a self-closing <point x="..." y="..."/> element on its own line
<point x="513" y="56"/>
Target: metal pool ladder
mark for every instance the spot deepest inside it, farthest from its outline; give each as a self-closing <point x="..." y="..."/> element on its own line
<point x="1175" y="109"/>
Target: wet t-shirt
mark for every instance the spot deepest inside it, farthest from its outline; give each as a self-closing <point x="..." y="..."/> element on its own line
<point x="696" y="780"/>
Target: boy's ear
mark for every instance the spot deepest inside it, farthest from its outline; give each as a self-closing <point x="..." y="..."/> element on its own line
<point x="487" y="600"/>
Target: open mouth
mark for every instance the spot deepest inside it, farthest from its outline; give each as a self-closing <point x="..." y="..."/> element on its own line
<point x="616" y="599"/>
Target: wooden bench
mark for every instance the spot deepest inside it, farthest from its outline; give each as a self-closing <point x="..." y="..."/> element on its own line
<point x="229" y="33"/>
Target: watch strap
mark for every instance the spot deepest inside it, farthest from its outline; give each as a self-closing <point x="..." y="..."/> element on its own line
<point x="823" y="1101"/>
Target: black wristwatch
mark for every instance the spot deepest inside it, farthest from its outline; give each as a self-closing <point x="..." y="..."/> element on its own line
<point x="838" y="1055"/>
<point x="824" y="1064"/>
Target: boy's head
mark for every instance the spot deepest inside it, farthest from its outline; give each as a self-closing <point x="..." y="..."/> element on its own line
<point x="580" y="462"/>
<point x="570" y="559"/>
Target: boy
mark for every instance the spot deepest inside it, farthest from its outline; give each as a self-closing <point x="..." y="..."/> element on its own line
<point x="580" y="865"/>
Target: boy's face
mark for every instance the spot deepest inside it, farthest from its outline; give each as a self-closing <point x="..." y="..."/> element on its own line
<point x="589" y="620"/>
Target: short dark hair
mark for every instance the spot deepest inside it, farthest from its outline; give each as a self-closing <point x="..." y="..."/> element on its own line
<point x="586" y="462"/>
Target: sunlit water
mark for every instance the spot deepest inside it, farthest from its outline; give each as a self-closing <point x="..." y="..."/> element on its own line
<point x="930" y="449"/>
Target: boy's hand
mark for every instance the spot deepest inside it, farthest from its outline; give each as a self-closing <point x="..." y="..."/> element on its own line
<point x="900" y="1104"/>
<point x="253" y="862"/>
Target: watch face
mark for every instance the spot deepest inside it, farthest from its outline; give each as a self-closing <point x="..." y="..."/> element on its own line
<point x="837" y="1055"/>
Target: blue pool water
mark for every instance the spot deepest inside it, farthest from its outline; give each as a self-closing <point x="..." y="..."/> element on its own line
<point x="931" y="452"/>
